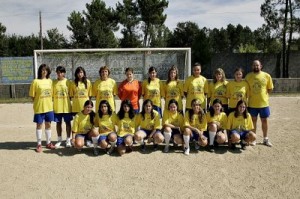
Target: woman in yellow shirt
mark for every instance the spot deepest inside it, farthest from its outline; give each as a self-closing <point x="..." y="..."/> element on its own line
<point x="126" y="127"/>
<point x="41" y="93"/>
<point x="173" y="89"/>
<point x="80" y="90"/>
<point x="172" y="124"/>
<point x="106" y="122"/>
<point x="240" y="127"/>
<point x="149" y="125"/>
<point x="152" y="89"/>
<point x="83" y="126"/>
<point x="105" y="88"/>
<point x="217" y="123"/>
<point x="194" y="127"/>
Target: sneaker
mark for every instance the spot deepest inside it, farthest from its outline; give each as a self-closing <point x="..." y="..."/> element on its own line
<point x="68" y="144"/>
<point x="232" y="146"/>
<point x="211" y="148"/>
<point x="57" y="145"/>
<point x="253" y="143"/>
<point x="267" y="143"/>
<point x="96" y="152"/>
<point x="110" y="150"/>
<point x="186" y="151"/>
<point x="197" y="147"/>
<point x="129" y="149"/>
<point x="243" y="146"/>
<point x="50" y="146"/>
<point x="143" y="147"/>
<point x="166" y="149"/>
<point x="39" y="148"/>
<point x="155" y="147"/>
<point x="89" y="143"/>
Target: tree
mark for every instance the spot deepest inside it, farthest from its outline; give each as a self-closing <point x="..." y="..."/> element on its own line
<point x="151" y="15"/>
<point x="280" y="16"/>
<point x="219" y="40"/>
<point x="159" y="36"/>
<point x="2" y="35"/>
<point x="78" y="28"/>
<point x="184" y="34"/>
<point x="128" y="15"/>
<point x="55" y="40"/>
<point x="101" y="23"/>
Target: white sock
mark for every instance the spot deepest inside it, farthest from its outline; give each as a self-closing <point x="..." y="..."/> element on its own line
<point x="48" y="135"/>
<point x="167" y="137"/>
<point x="95" y="141"/>
<point x="59" y="138"/>
<point x="39" y="133"/>
<point x="68" y="139"/>
<point x="212" y="136"/>
<point x="186" y="139"/>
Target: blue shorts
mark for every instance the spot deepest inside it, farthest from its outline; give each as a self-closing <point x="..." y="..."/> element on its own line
<point x="121" y="140"/>
<point x="58" y="117"/>
<point x="41" y="117"/>
<point x="242" y="134"/>
<point x="196" y="136"/>
<point x="158" y="109"/>
<point x="263" y="112"/>
<point x="84" y="136"/>
<point x="148" y="132"/>
<point x="104" y="137"/>
<point x="136" y="111"/>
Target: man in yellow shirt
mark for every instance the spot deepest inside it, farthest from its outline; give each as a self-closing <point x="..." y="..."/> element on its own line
<point x="260" y="85"/>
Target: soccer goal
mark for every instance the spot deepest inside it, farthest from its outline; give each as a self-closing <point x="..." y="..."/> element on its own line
<point x="117" y="59"/>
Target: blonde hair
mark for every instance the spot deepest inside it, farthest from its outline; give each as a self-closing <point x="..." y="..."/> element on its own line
<point x="219" y="71"/>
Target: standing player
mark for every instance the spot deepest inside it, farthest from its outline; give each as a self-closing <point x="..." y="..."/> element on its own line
<point x="80" y="90"/>
<point x="105" y="88"/>
<point x="130" y="89"/>
<point x="62" y="105"/>
<point x="41" y="93"/>
<point x="260" y="85"/>
<point x="196" y="87"/>
<point x="173" y="89"/>
<point x="152" y="88"/>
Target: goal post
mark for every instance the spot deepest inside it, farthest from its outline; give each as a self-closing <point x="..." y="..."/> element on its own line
<point x="117" y="59"/>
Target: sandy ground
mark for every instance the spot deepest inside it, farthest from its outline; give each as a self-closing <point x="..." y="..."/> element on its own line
<point x="258" y="172"/>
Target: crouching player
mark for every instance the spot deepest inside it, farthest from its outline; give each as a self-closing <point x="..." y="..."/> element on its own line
<point x="240" y="127"/>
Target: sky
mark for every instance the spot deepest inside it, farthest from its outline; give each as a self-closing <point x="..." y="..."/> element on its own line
<point x="21" y="17"/>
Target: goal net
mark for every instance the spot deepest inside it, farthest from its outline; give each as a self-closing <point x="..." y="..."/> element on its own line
<point x="117" y="59"/>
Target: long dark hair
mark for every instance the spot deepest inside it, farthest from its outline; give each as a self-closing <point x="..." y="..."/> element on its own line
<point x="152" y="68"/>
<point x="171" y="69"/>
<point x="143" y="109"/>
<point x="236" y="112"/>
<point x="92" y="113"/>
<point x="109" y="109"/>
<point x="121" y="113"/>
<point x="84" y="79"/>
<point x="211" y="110"/>
<point x="40" y="71"/>
<point x="191" y="111"/>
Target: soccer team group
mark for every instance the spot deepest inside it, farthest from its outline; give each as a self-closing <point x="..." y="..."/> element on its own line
<point x="216" y="113"/>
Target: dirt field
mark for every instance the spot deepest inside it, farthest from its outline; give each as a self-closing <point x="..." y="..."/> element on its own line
<point x="258" y="172"/>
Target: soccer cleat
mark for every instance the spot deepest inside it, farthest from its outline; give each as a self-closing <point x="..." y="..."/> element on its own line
<point x="211" y="148"/>
<point x="197" y="147"/>
<point x="155" y="147"/>
<point x="110" y="150"/>
<point x="50" y="146"/>
<point x="143" y="147"/>
<point x="267" y="143"/>
<point x="39" y="148"/>
<point x="186" y="151"/>
<point x="68" y="144"/>
<point x="57" y="145"/>
<point x="96" y="152"/>
<point x="253" y="143"/>
<point x="166" y="149"/>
